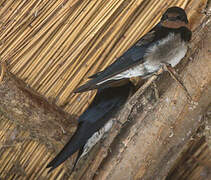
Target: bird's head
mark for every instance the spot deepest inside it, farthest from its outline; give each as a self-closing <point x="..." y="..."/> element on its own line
<point x="174" y="17"/>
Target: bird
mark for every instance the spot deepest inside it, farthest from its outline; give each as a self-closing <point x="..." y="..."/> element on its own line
<point x="105" y="104"/>
<point x="165" y="44"/>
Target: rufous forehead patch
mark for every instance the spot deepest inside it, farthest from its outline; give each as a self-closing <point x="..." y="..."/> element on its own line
<point x="173" y="14"/>
<point x="174" y="24"/>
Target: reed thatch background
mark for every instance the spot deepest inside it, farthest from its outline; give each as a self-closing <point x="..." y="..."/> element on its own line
<point x="54" y="46"/>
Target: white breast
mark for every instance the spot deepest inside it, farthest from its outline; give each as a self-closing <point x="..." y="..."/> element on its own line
<point x="170" y="50"/>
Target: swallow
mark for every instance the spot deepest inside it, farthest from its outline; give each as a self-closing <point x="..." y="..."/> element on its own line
<point x="166" y="43"/>
<point x="105" y="104"/>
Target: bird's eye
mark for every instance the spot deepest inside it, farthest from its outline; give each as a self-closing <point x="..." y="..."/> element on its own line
<point x="165" y="16"/>
<point x="179" y="18"/>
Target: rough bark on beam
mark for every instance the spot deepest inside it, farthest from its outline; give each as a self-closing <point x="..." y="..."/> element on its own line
<point x="154" y="134"/>
<point x="195" y="162"/>
<point x="30" y="111"/>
